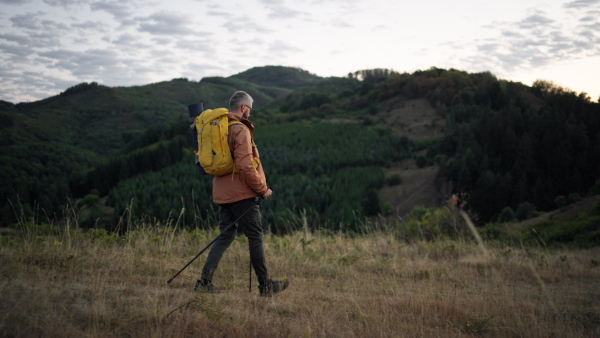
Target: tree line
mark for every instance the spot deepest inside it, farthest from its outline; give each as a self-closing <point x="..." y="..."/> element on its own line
<point x="505" y="145"/>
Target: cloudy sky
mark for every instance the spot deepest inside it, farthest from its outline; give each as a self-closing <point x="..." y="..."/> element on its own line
<point x="47" y="46"/>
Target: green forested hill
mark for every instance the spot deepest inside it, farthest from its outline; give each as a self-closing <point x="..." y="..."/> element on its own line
<point x="504" y="146"/>
<point x="103" y="120"/>
<point x="48" y="145"/>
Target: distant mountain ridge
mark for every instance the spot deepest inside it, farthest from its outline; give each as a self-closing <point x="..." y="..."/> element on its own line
<point x="104" y="119"/>
<point x="278" y="76"/>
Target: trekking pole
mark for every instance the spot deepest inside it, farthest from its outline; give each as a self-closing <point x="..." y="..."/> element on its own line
<point x="213" y="241"/>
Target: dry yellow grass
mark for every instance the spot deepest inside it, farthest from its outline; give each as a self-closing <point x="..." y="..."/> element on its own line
<point x="95" y="285"/>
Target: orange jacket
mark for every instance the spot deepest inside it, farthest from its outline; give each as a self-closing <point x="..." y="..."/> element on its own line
<point x="249" y="181"/>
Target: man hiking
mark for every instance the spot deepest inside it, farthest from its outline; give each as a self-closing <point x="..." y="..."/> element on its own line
<point x="236" y="194"/>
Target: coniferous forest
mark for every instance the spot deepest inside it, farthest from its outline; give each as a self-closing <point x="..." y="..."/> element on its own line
<point x="111" y="153"/>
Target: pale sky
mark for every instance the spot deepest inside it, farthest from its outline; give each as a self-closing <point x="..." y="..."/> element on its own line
<point x="47" y="46"/>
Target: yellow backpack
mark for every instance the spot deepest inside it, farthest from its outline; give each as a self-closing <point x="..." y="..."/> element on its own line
<point x="214" y="155"/>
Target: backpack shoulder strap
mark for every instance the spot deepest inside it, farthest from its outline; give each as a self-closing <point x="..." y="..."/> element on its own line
<point x="232" y="122"/>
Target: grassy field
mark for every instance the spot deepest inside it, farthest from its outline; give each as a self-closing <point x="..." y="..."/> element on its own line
<point x="94" y="284"/>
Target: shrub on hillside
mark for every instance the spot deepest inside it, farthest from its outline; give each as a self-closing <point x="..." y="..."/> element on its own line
<point x="433" y="223"/>
<point x="393" y="180"/>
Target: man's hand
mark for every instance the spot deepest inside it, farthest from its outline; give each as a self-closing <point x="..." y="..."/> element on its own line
<point x="267" y="194"/>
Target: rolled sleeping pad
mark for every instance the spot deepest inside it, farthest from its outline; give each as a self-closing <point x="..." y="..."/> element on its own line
<point x="195" y="110"/>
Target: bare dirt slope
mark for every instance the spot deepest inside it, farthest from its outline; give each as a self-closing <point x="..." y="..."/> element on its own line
<point x="417" y="188"/>
<point x="417" y="120"/>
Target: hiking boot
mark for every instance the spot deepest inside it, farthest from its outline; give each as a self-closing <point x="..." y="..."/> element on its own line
<point x="204" y="285"/>
<point x="272" y="287"/>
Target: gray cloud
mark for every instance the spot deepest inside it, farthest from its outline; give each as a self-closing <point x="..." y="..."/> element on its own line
<point x="581" y="3"/>
<point x="340" y="23"/>
<point x="120" y="10"/>
<point x="17" y="38"/>
<point x="284" y="13"/>
<point x="27" y="21"/>
<point x="45" y="38"/>
<point x="115" y="8"/>
<point x="162" y="41"/>
<point x="282" y="48"/>
<point x="278" y="11"/>
<point x="87" y="64"/>
<point x="166" y="23"/>
<point x="199" y="68"/>
<point x="218" y="13"/>
<point x="257" y="41"/>
<point x="244" y="24"/>
<point x="15" y="2"/>
<point x="90" y="26"/>
<point x="511" y="34"/>
<point x="196" y="45"/>
<point x="130" y="41"/>
<point x="52" y="25"/>
<point x="160" y="53"/>
<point x="17" y="52"/>
<point x="64" y="3"/>
<point x="534" y="21"/>
<point x="488" y="47"/>
<point x="272" y="2"/>
<point x="168" y="59"/>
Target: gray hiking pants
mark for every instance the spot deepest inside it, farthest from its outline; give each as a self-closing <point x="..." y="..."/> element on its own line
<point x="250" y="225"/>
